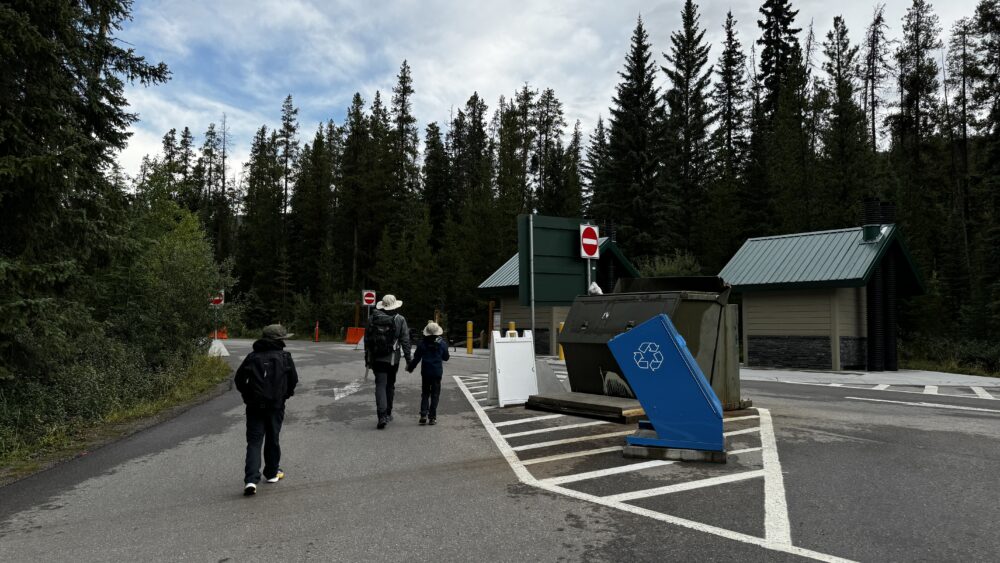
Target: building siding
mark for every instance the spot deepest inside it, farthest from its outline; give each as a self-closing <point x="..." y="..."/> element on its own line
<point x="787" y="313"/>
<point x="852" y="311"/>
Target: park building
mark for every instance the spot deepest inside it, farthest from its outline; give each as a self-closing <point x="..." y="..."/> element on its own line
<point x="826" y="299"/>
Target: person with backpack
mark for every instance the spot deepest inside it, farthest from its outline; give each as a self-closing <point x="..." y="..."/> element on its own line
<point x="432" y="351"/>
<point x="265" y="379"/>
<point x="386" y="339"/>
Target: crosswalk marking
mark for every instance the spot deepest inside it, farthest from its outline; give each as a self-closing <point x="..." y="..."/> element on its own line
<point x="982" y="393"/>
<point x="744" y="431"/>
<point x="930" y="389"/>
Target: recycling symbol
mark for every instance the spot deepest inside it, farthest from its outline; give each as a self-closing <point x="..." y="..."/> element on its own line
<point x="648" y="356"/>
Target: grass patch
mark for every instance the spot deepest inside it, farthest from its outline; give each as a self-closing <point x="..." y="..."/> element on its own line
<point x="68" y="440"/>
<point x="948" y="366"/>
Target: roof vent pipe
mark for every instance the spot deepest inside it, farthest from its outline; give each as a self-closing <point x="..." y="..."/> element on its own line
<point x="871" y="220"/>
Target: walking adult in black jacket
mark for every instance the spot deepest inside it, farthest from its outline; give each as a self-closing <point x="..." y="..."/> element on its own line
<point x="386" y="339"/>
<point x="266" y="379"/>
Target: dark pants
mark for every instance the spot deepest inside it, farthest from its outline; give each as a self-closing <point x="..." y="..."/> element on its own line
<point x="430" y="391"/>
<point x="263" y="427"/>
<point x="385" y="387"/>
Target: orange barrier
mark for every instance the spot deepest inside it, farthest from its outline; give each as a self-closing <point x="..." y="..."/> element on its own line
<point x="221" y="334"/>
<point x="354" y="335"/>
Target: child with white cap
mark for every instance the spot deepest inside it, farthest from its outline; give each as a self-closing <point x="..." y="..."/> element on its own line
<point x="432" y="351"/>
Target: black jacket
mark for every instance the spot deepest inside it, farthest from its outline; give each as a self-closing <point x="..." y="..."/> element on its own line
<point x="432" y="350"/>
<point x="285" y="381"/>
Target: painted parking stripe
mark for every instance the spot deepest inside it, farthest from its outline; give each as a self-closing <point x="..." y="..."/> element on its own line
<point x="479" y="393"/>
<point x="686" y="486"/>
<point x="743" y="451"/>
<point x="555" y="428"/>
<point x="924" y="404"/>
<point x="887" y="390"/>
<point x="735" y="418"/>
<point x="605" y="472"/>
<point x="571" y="440"/>
<point x="571" y="455"/>
<point x="744" y="431"/>
<point x="836" y="385"/>
<point x="930" y="389"/>
<point x="777" y="528"/>
<point x="525" y="420"/>
<point x="982" y="393"/>
<point x="525" y="476"/>
<point x="880" y="387"/>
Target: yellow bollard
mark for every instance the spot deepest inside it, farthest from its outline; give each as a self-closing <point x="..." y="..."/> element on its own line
<point x="468" y="337"/>
<point x="562" y="357"/>
<point x="511" y="327"/>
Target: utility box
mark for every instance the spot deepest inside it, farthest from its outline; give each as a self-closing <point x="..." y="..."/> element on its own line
<point x="704" y="318"/>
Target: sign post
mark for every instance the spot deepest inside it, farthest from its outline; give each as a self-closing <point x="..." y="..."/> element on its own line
<point x="590" y="247"/>
<point x="368" y="298"/>
<point x="216" y="302"/>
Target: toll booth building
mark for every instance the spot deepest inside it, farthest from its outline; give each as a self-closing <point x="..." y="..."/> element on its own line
<point x="503" y="287"/>
<point x="823" y="300"/>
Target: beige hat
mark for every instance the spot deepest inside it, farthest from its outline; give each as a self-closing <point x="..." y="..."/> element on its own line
<point x="389" y="303"/>
<point x="433" y="329"/>
<point x="276" y="332"/>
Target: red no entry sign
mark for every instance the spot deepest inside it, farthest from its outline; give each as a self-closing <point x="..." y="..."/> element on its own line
<point x="218" y="299"/>
<point x="368" y="297"/>
<point x="589" y="242"/>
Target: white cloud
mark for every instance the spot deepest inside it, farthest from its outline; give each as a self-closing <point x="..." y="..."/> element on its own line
<point x="242" y="58"/>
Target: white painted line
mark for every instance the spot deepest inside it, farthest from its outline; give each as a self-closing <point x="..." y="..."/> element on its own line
<point x="880" y="387"/>
<point x="743" y="451"/>
<point x="525" y="476"/>
<point x="605" y="472"/>
<point x="555" y="428"/>
<point x="525" y="420"/>
<point x="836" y="385"/>
<point x="777" y="529"/>
<point x="479" y="393"/>
<point x="930" y="390"/>
<point x="744" y="431"/>
<point x="482" y="398"/>
<point x="686" y="486"/>
<point x="982" y="393"/>
<point x="349" y="389"/>
<point x="923" y="404"/>
<point x="478" y="385"/>
<point x="571" y="455"/>
<point x="488" y="408"/>
<point x="887" y="390"/>
<point x="571" y="440"/>
<point x="735" y="418"/>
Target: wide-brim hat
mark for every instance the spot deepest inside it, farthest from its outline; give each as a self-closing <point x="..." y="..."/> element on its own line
<point x="433" y="329"/>
<point x="276" y="332"/>
<point x="389" y="303"/>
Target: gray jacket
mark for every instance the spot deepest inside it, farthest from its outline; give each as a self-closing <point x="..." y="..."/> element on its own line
<point x="402" y="347"/>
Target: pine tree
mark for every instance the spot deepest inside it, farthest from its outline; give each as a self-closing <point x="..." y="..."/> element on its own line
<point x="636" y="200"/>
<point x="846" y="158"/>
<point x="918" y="194"/>
<point x="780" y="55"/>
<point x="259" y="268"/>
<point x="438" y="192"/>
<point x="547" y="118"/>
<point x="406" y="172"/>
<point x="354" y="205"/>
<point x="730" y="146"/>
<point x="986" y="192"/>
<point x="688" y="122"/>
<point x="877" y="69"/>
<point x="595" y="173"/>
<point x="288" y="146"/>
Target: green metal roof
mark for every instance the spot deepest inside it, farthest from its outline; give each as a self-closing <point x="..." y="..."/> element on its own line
<point x="508" y="276"/>
<point x="837" y="258"/>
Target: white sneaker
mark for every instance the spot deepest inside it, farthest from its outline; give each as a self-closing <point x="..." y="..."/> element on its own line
<point x="279" y="476"/>
<point x="249" y="490"/>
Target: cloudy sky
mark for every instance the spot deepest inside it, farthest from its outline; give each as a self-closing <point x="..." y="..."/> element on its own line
<point x="241" y="57"/>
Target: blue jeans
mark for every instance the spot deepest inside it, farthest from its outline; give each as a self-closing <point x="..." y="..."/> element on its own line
<point x="263" y="427"/>
<point x="430" y="391"/>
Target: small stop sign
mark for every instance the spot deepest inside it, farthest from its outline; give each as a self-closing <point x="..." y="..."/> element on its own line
<point x="368" y="297"/>
<point x="589" y="242"/>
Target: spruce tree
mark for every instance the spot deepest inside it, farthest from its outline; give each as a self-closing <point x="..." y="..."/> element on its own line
<point x="986" y="191"/>
<point x="876" y="71"/>
<point x="595" y="173"/>
<point x="846" y="158"/>
<point x="780" y="54"/>
<point x="438" y="194"/>
<point x="689" y="118"/>
<point x="730" y="145"/>
<point x="636" y="200"/>
<point x="406" y="172"/>
<point x="288" y="146"/>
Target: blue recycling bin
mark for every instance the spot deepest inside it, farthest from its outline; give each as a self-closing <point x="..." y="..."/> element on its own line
<point x="679" y="402"/>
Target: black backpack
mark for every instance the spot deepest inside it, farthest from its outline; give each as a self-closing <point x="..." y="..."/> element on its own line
<point x="265" y="379"/>
<point x="380" y="339"/>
